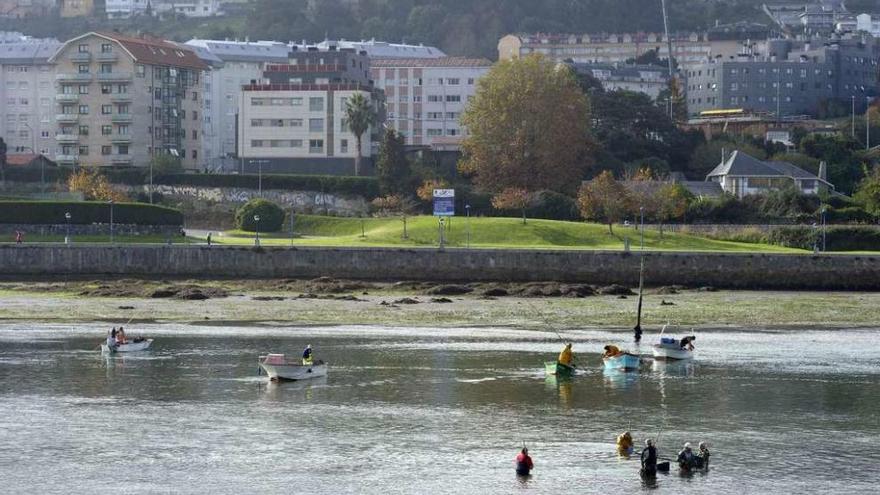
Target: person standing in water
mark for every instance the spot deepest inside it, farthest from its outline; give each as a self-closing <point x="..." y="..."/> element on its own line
<point x="703" y="456"/>
<point x="649" y="459"/>
<point x="307" y="355"/>
<point x="625" y="443"/>
<point x="524" y="464"/>
<point x="566" y="357"/>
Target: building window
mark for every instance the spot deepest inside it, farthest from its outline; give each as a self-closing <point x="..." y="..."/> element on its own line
<point x="83" y="109"/>
<point x="316" y="145"/>
<point x="83" y="68"/>
<point x="106" y="68"/>
<point x="83" y="130"/>
<point x="195" y="154"/>
<point x="343" y="145"/>
<point x="106" y="89"/>
<point x="195" y="135"/>
<point x="122" y="88"/>
<point x="106" y="48"/>
<point x="122" y="149"/>
<point x="453" y="98"/>
<point x="122" y="130"/>
<point x="83" y="48"/>
<point x="316" y="104"/>
<point x="106" y="150"/>
<point x="106" y="109"/>
<point x="83" y="151"/>
<point x="316" y="125"/>
<point x="122" y="109"/>
<point x="452" y="81"/>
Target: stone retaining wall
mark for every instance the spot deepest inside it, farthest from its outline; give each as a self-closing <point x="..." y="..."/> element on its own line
<point x="735" y="271"/>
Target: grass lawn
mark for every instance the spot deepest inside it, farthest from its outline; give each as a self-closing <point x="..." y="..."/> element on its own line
<point x="422" y="231"/>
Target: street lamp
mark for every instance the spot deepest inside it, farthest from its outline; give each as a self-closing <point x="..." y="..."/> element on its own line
<point x="824" y="209"/>
<point x="67" y="237"/>
<point x="467" y="208"/>
<point x="111" y="221"/>
<point x="642" y="226"/>
<point x="257" y="222"/>
<point x="292" y="216"/>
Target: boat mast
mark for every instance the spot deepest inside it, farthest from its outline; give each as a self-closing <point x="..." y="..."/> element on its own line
<point x="637" y="330"/>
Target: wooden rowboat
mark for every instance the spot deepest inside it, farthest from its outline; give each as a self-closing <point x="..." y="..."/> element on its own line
<point x="558" y="369"/>
<point x="623" y="361"/>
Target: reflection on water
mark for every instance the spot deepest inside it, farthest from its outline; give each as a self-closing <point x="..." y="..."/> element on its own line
<point x="428" y="411"/>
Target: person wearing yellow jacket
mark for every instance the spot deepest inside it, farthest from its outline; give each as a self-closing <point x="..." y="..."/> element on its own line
<point x="625" y="443"/>
<point x="566" y="357"/>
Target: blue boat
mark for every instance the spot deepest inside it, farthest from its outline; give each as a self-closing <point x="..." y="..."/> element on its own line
<point x="623" y="361"/>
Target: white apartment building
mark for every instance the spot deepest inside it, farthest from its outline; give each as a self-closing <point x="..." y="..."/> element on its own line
<point x="868" y="24"/>
<point x="426" y="97"/>
<point x="233" y="65"/>
<point x="188" y="8"/>
<point x="27" y="96"/>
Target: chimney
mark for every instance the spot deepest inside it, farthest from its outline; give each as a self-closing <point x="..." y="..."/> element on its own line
<point x="723" y="155"/>
<point x="823" y="170"/>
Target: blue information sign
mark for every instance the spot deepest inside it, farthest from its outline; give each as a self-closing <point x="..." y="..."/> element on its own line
<point x="444" y="202"/>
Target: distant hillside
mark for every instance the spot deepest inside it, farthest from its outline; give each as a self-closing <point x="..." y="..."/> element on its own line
<point x="460" y="27"/>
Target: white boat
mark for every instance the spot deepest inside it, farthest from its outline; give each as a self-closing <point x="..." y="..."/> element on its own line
<point x="671" y="349"/>
<point x="279" y="368"/>
<point x="141" y="345"/>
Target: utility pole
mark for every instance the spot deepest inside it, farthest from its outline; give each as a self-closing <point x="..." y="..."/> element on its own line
<point x="668" y="52"/>
<point x="853" y="127"/>
<point x="867" y="123"/>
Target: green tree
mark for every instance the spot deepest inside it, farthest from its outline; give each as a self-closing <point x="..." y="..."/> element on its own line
<point x="672" y="203"/>
<point x="527" y="128"/>
<point x="393" y="167"/>
<point x="868" y="192"/>
<point x="271" y="216"/>
<point x="513" y="198"/>
<point x="359" y="116"/>
<point x="165" y="163"/>
<point x="605" y="200"/>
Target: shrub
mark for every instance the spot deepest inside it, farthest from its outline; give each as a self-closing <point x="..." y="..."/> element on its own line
<point x="848" y="214"/>
<point x="852" y="238"/>
<point x="271" y="216"/>
<point x="86" y="212"/>
<point x="553" y="206"/>
<point x="796" y="236"/>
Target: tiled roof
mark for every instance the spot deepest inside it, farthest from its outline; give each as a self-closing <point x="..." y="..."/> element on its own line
<point x="28" y="51"/>
<point x="154" y="51"/>
<point x="23" y="159"/>
<point x="431" y="62"/>
<point x="741" y="164"/>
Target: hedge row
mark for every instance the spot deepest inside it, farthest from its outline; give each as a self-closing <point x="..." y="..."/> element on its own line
<point x="836" y="238"/>
<point x="367" y="187"/>
<point x="87" y="212"/>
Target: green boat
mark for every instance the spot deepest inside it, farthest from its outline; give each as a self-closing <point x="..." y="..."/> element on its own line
<point x="558" y="369"/>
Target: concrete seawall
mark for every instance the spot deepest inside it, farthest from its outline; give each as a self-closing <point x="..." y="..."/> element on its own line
<point x="742" y="271"/>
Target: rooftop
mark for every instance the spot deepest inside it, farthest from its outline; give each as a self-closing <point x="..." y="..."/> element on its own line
<point x="431" y="62"/>
<point x="741" y="164"/>
<point x="28" y="51"/>
<point x="152" y="51"/>
<point x="383" y="49"/>
<point x="242" y="51"/>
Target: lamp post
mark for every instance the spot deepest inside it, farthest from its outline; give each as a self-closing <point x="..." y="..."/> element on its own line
<point x="257" y="238"/>
<point x="642" y="226"/>
<point x="292" y="217"/>
<point x="467" y="208"/>
<point x="853" y="126"/>
<point x="112" y="238"/>
<point x="34" y="151"/>
<point x="67" y="237"/>
<point x="867" y="124"/>
<point x="824" y="209"/>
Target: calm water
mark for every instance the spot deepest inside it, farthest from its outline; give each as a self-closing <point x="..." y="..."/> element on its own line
<point x="429" y="411"/>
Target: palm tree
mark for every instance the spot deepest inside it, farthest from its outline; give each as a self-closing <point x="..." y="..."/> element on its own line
<point x="359" y="116"/>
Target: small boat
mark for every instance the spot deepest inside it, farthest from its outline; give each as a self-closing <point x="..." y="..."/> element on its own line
<point x="671" y="349"/>
<point x="133" y="346"/>
<point x="624" y="361"/>
<point x="558" y="369"/>
<point x="279" y="368"/>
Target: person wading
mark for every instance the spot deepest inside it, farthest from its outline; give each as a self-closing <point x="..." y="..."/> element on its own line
<point x="649" y="459"/>
<point x="524" y="464"/>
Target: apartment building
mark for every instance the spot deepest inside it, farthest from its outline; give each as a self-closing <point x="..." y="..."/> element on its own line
<point x="188" y="8"/>
<point x="647" y="79"/>
<point x="123" y="9"/>
<point x="789" y="77"/>
<point x="233" y="65"/>
<point x="27" y="95"/>
<point x="17" y="9"/>
<point x="76" y="8"/>
<point x="724" y="42"/>
<point x="868" y="24"/>
<point x="121" y="100"/>
<point x="425" y="97"/>
<point x="293" y="120"/>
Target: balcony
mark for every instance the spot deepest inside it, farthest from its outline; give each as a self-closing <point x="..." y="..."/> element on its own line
<point x="67" y="117"/>
<point x="67" y="97"/>
<point x="120" y="98"/>
<point x="120" y="159"/>
<point x="65" y="158"/>
<point x="80" y="56"/>
<point x="106" y="57"/>
<point x="114" y="76"/>
<point x="120" y="139"/>
<point x="66" y="138"/>
<point x="74" y="77"/>
<point x="123" y="118"/>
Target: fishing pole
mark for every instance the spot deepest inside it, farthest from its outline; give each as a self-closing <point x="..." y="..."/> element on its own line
<point x="551" y="327"/>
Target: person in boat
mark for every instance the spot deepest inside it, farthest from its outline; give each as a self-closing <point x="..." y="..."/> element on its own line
<point x="625" y="443"/>
<point x="566" y="357"/>
<point x="703" y="456"/>
<point x="307" y="355"/>
<point x="611" y="351"/>
<point x="649" y="459"/>
<point x="686" y="458"/>
<point x="688" y="343"/>
<point x="524" y="464"/>
<point x="120" y="337"/>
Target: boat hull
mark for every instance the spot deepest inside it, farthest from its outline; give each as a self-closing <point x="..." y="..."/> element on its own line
<point x="624" y="361"/>
<point x="671" y="352"/>
<point x="130" y="347"/>
<point x="294" y="372"/>
<point x="558" y="369"/>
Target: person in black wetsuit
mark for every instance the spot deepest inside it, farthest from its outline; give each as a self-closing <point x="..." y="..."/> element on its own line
<point x="649" y="459"/>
